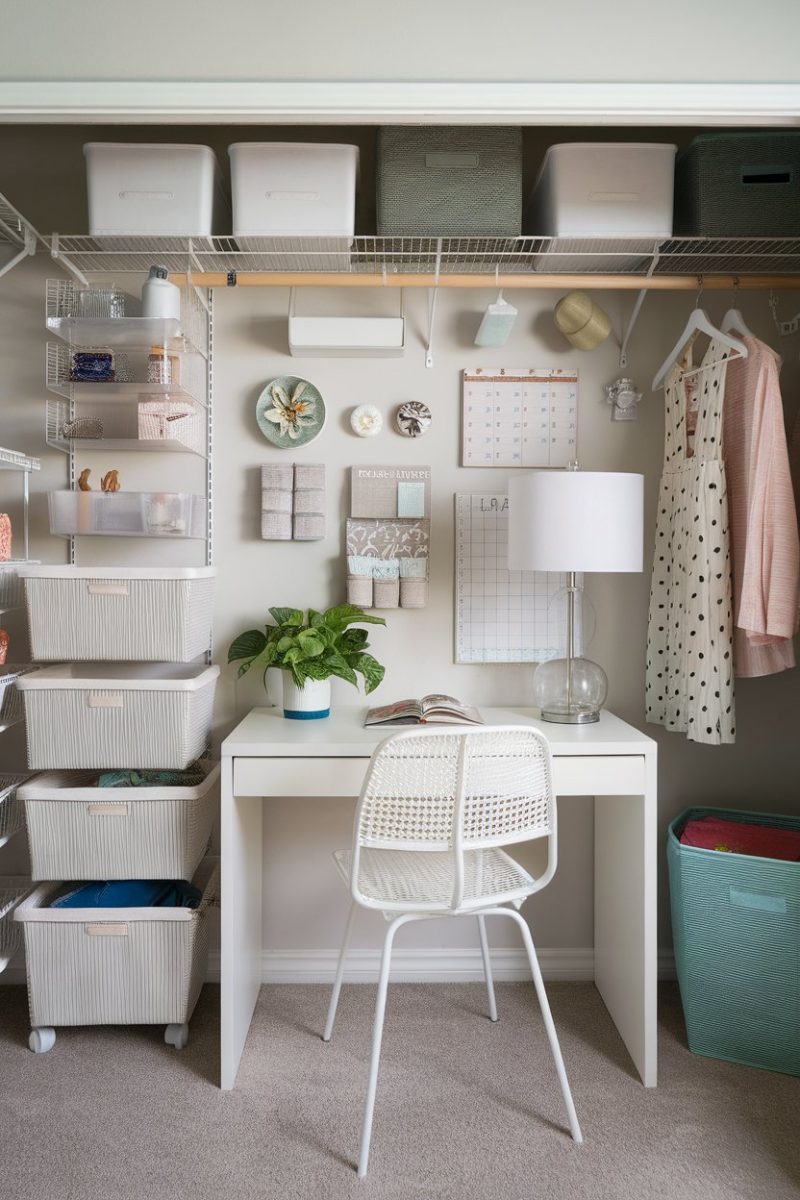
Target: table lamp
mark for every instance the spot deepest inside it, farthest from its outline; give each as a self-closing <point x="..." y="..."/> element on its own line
<point x="571" y="521"/>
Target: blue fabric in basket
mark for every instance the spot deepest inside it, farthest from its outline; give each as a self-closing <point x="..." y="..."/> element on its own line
<point x="132" y="893"/>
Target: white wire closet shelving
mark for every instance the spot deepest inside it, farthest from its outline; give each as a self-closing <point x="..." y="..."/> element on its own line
<point x="221" y="261"/>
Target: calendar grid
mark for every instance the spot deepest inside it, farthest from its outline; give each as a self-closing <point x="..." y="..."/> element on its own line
<point x="519" y="417"/>
<point x="501" y="615"/>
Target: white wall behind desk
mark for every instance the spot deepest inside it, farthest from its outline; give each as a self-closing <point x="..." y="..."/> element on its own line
<point x="304" y="904"/>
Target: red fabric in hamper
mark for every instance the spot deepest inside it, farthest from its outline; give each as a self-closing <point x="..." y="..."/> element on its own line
<point x="739" y="837"/>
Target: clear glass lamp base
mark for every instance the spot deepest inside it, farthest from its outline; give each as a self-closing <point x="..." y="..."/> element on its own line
<point x="570" y="691"/>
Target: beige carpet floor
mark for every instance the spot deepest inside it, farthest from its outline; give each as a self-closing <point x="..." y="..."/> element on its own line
<point x="466" y="1110"/>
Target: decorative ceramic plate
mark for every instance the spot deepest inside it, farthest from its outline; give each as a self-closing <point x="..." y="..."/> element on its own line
<point x="413" y="418"/>
<point x="290" y="412"/>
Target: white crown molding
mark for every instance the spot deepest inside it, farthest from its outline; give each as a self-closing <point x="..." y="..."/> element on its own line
<point x="510" y="965"/>
<point x="373" y="103"/>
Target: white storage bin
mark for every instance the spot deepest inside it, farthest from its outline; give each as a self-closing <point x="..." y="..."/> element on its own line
<point x="603" y="189"/>
<point x="154" y="189"/>
<point x="150" y="614"/>
<point x="77" y="830"/>
<point x="117" y="715"/>
<point x="128" y="514"/>
<point x="114" y="966"/>
<point x="287" y="189"/>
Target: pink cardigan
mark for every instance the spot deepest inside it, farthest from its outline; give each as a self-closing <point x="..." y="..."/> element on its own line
<point x="763" y="523"/>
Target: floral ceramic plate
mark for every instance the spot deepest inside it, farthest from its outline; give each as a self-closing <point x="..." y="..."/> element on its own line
<point x="290" y="412"/>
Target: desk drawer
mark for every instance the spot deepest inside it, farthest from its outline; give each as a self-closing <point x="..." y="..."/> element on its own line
<point x="298" y="776"/>
<point x="606" y="775"/>
<point x="573" y="775"/>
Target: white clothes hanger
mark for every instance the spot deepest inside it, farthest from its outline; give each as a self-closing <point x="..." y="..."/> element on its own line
<point x="698" y="323"/>
<point x="733" y="321"/>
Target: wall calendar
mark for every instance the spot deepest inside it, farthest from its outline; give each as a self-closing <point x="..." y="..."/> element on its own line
<point x="520" y="417"/>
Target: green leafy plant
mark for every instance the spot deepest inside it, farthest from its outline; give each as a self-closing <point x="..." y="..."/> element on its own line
<point x="312" y="645"/>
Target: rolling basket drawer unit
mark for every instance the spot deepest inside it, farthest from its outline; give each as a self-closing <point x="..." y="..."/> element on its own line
<point x="449" y="182"/>
<point x="102" y="613"/>
<point x="744" y="184"/>
<point x="736" y="928"/>
<point x="77" y="830"/>
<point x="114" y="966"/>
<point x="118" y="716"/>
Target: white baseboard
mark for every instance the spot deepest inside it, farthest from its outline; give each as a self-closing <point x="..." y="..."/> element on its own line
<point x="413" y="966"/>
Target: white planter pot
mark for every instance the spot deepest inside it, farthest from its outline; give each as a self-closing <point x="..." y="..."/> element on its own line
<point x="308" y="703"/>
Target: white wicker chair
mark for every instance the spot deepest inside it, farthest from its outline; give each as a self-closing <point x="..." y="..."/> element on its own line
<point x="435" y="808"/>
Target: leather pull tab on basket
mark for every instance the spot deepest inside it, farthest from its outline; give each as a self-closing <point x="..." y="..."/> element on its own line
<point x="107" y="929"/>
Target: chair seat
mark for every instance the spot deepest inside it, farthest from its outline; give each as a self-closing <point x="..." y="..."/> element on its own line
<point x="403" y="880"/>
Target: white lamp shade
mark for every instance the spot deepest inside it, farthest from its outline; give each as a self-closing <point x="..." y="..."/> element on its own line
<point x="575" y="521"/>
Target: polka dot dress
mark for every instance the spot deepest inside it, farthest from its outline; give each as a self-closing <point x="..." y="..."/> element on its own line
<point x="689" y="675"/>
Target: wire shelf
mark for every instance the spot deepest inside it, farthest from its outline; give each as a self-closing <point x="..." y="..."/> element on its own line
<point x="16" y="461"/>
<point x="133" y="333"/>
<point x="12" y="224"/>
<point x="431" y="255"/>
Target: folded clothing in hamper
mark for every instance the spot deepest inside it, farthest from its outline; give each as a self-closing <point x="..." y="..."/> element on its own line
<point x="738" y="837"/>
<point x="193" y="776"/>
<point x="132" y="893"/>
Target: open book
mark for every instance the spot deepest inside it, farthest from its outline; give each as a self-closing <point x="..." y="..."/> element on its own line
<point x="432" y="709"/>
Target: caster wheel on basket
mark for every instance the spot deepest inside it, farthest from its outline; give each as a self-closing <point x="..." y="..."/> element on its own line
<point x="41" y="1040"/>
<point x="176" y="1035"/>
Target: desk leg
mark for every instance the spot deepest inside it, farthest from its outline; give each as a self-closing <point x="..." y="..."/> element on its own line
<point x="240" y="925"/>
<point x="625" y="898"/>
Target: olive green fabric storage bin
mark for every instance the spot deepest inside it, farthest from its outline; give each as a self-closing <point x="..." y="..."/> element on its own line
<point x="449" y="182"/>
<point x="736" y="930"/>
<point x="744" y="185"/>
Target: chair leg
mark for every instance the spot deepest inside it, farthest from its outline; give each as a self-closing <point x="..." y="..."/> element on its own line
<point x="487" y="967"/>
<point x="337" y="982"/>
<point x="377" y="1034"/>
<point x="547" y="1016"/>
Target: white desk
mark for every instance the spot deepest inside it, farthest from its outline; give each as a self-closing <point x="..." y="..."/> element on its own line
<point x="267" y="756"/>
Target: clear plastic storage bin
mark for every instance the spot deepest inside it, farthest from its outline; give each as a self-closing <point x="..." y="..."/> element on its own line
<point x="114" y="966"/>
<point x="150" y="614"/>
<point x="77" y="830"/>
<point x="117" y="715"/>
<point x="128" y="514"/>
<point x="158" y="189"/>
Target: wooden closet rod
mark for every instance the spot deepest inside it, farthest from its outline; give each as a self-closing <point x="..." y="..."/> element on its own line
<point x="634" y="283"/>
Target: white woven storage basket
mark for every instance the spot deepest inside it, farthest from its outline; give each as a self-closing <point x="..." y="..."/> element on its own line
<point x="115" y="966"/>
<point x="145" y="614"/>
<point x="117" y="715"/>
<point x="79" y="831"/>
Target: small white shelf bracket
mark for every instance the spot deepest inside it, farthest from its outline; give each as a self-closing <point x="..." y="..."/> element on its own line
<point x="63" y="260"/>
<point x="432" y="297"/>
<point x="28" y="249"/>
<point x="634" y="317"/>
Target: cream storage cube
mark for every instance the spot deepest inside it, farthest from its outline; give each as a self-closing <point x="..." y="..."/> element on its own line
<point x="117" y="715"/>
<point x="145" y="614"/>
<point x="603" y="189"/>
<point x="292" y="190"/>
<point x="114" y="966"/>
<point x="77" y="830"/>
<point x="154" y="189"/>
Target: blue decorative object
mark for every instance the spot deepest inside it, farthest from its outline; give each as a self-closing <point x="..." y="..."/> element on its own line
<point x="89" y="366"/>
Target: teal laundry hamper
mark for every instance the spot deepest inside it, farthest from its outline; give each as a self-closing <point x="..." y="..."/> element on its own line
<point x="736" y="930"/>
